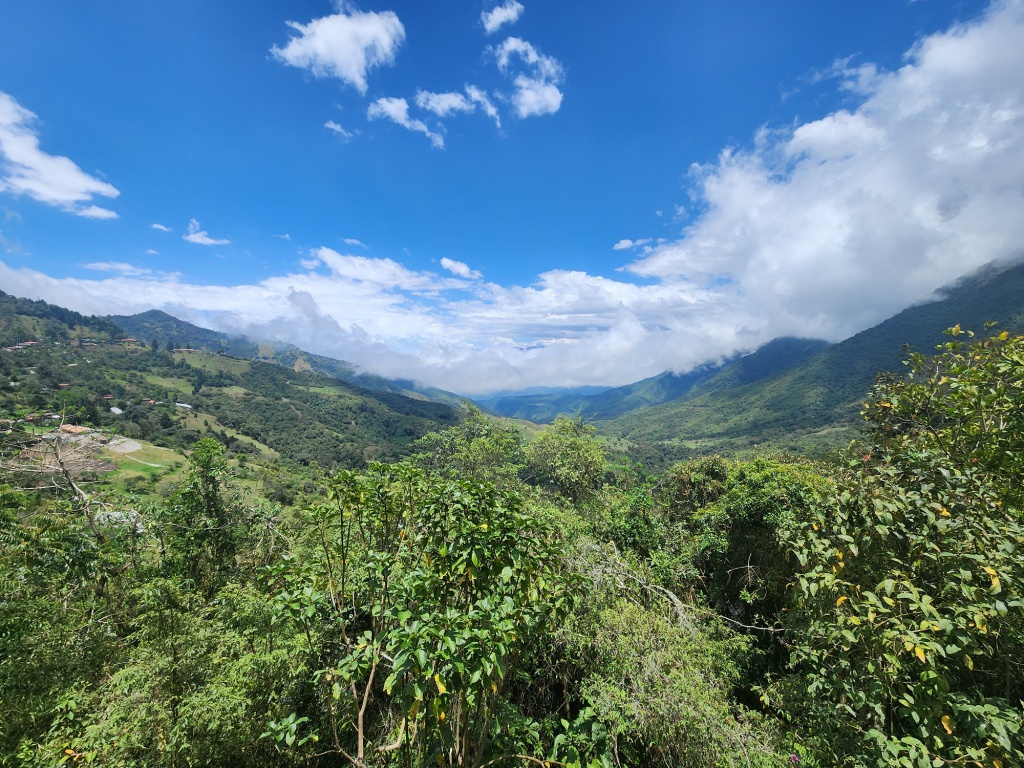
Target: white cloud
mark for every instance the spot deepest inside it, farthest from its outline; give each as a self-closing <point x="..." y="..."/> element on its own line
<point x="834" y="224"/>
<point x="338" y="129"/>
<point x="201" y="236"/>
<point x="397" y="110"/>
<point x="536" y="89"/>
<point x="353" y="241"/>
<point x="345" y="45"/>
<point x="496" y="18"/>
<point x="161" y="227"/>
<point x="443" y="104"/>
<point x="448" y="103"/>
<point x="152" y="252"/>
<point x="821" y="229"/>
<point x="460" y="269"/>
<point x="625" y="243"/>
<point x="479" y="96"/>
<point x="50" y="179"/>
<point x="122" y="268"/>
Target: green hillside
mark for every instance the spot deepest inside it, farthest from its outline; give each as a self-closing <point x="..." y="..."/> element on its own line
<point x="168" y="332"/>
<point x="812" y="404"/>
<point x="777" y="355"/>
<point x="63" y="366"/>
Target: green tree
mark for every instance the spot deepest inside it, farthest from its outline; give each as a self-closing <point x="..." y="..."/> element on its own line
<point x="479" y="448"/>
<point x="567" y="457"/>
<point x="431" y="590"/>
<point x="908" y="625"/>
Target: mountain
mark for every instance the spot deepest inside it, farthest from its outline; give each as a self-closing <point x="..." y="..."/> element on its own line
<point x="819" y="399"/>
<point x="769" y="359"/>
<point x="24" y="319"/>
<point x="168" y="331"/>
<point x="58" y="366"/>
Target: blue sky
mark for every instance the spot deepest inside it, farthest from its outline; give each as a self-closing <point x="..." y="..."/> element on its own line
<point x="498" y="195"/>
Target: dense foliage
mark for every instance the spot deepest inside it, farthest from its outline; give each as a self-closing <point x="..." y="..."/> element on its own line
<point x="493" y="601"/>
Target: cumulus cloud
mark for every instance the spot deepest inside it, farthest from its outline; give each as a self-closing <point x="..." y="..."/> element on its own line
<point x="397" y="110"/>
<point x="452" y="102"/>
<point x="480" y="97"/>
<point x="161" y="227"/>
<point x="836" y="223"/>
<point x="345" y="45"/>
<point x="821" y="229"/>
<point x="443" y="104"/>
<point x="460" y="268"/>
<point x="498" y="17"/>
<point x="626" y="243"/>
<point x="201" y="236"/>
<point x="338" y="129"/>
<point x="536" y="84"/>
<point x="49" y="179"/>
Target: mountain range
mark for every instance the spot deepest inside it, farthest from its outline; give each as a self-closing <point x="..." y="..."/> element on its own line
<point x="799" y="394"/>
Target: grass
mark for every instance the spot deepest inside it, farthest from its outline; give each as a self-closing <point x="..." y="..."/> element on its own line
<point x="214" y="363"/>
<point x="181" y="386"/>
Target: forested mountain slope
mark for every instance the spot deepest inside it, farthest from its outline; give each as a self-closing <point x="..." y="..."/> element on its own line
<point x="775" y="356"/>
<point x="61" y="365"/>
<point x="171" y="333"/>
<point x="826" y="390"/>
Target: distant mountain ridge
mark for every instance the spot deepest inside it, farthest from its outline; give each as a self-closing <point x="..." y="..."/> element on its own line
<point x="165" y="328"/>
<point x="769" y="359"/>
<point x="825" y="390"/>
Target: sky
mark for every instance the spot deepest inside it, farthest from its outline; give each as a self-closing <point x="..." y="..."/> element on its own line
<point x="490" y="196"/>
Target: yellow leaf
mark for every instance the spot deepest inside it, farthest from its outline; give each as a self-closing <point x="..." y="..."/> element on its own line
<point x="440" y="686"/>
<point x="947" y="723"/>
<point x="919" y="652"/>
<point x="992" y="575"/>
<point x="944" y="512"/>
<point x="840" y="600"/>
<point x="995" y="760"/>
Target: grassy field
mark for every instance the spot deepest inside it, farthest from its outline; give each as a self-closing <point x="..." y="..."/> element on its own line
<point x="214" y="363"/>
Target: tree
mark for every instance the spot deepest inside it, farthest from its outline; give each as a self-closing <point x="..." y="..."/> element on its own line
<point x="566" y="457"/>
<point x="478" y="448"/>
<point x="426" y="595"/>
<point x="908" y="625"/>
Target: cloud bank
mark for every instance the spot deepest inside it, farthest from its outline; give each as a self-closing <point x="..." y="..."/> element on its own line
<point x="821" y="229"/>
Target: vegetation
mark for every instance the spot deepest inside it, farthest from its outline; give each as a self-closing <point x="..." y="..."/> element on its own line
<point x="810" y="407"/>
<point x="339" y="577"/>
